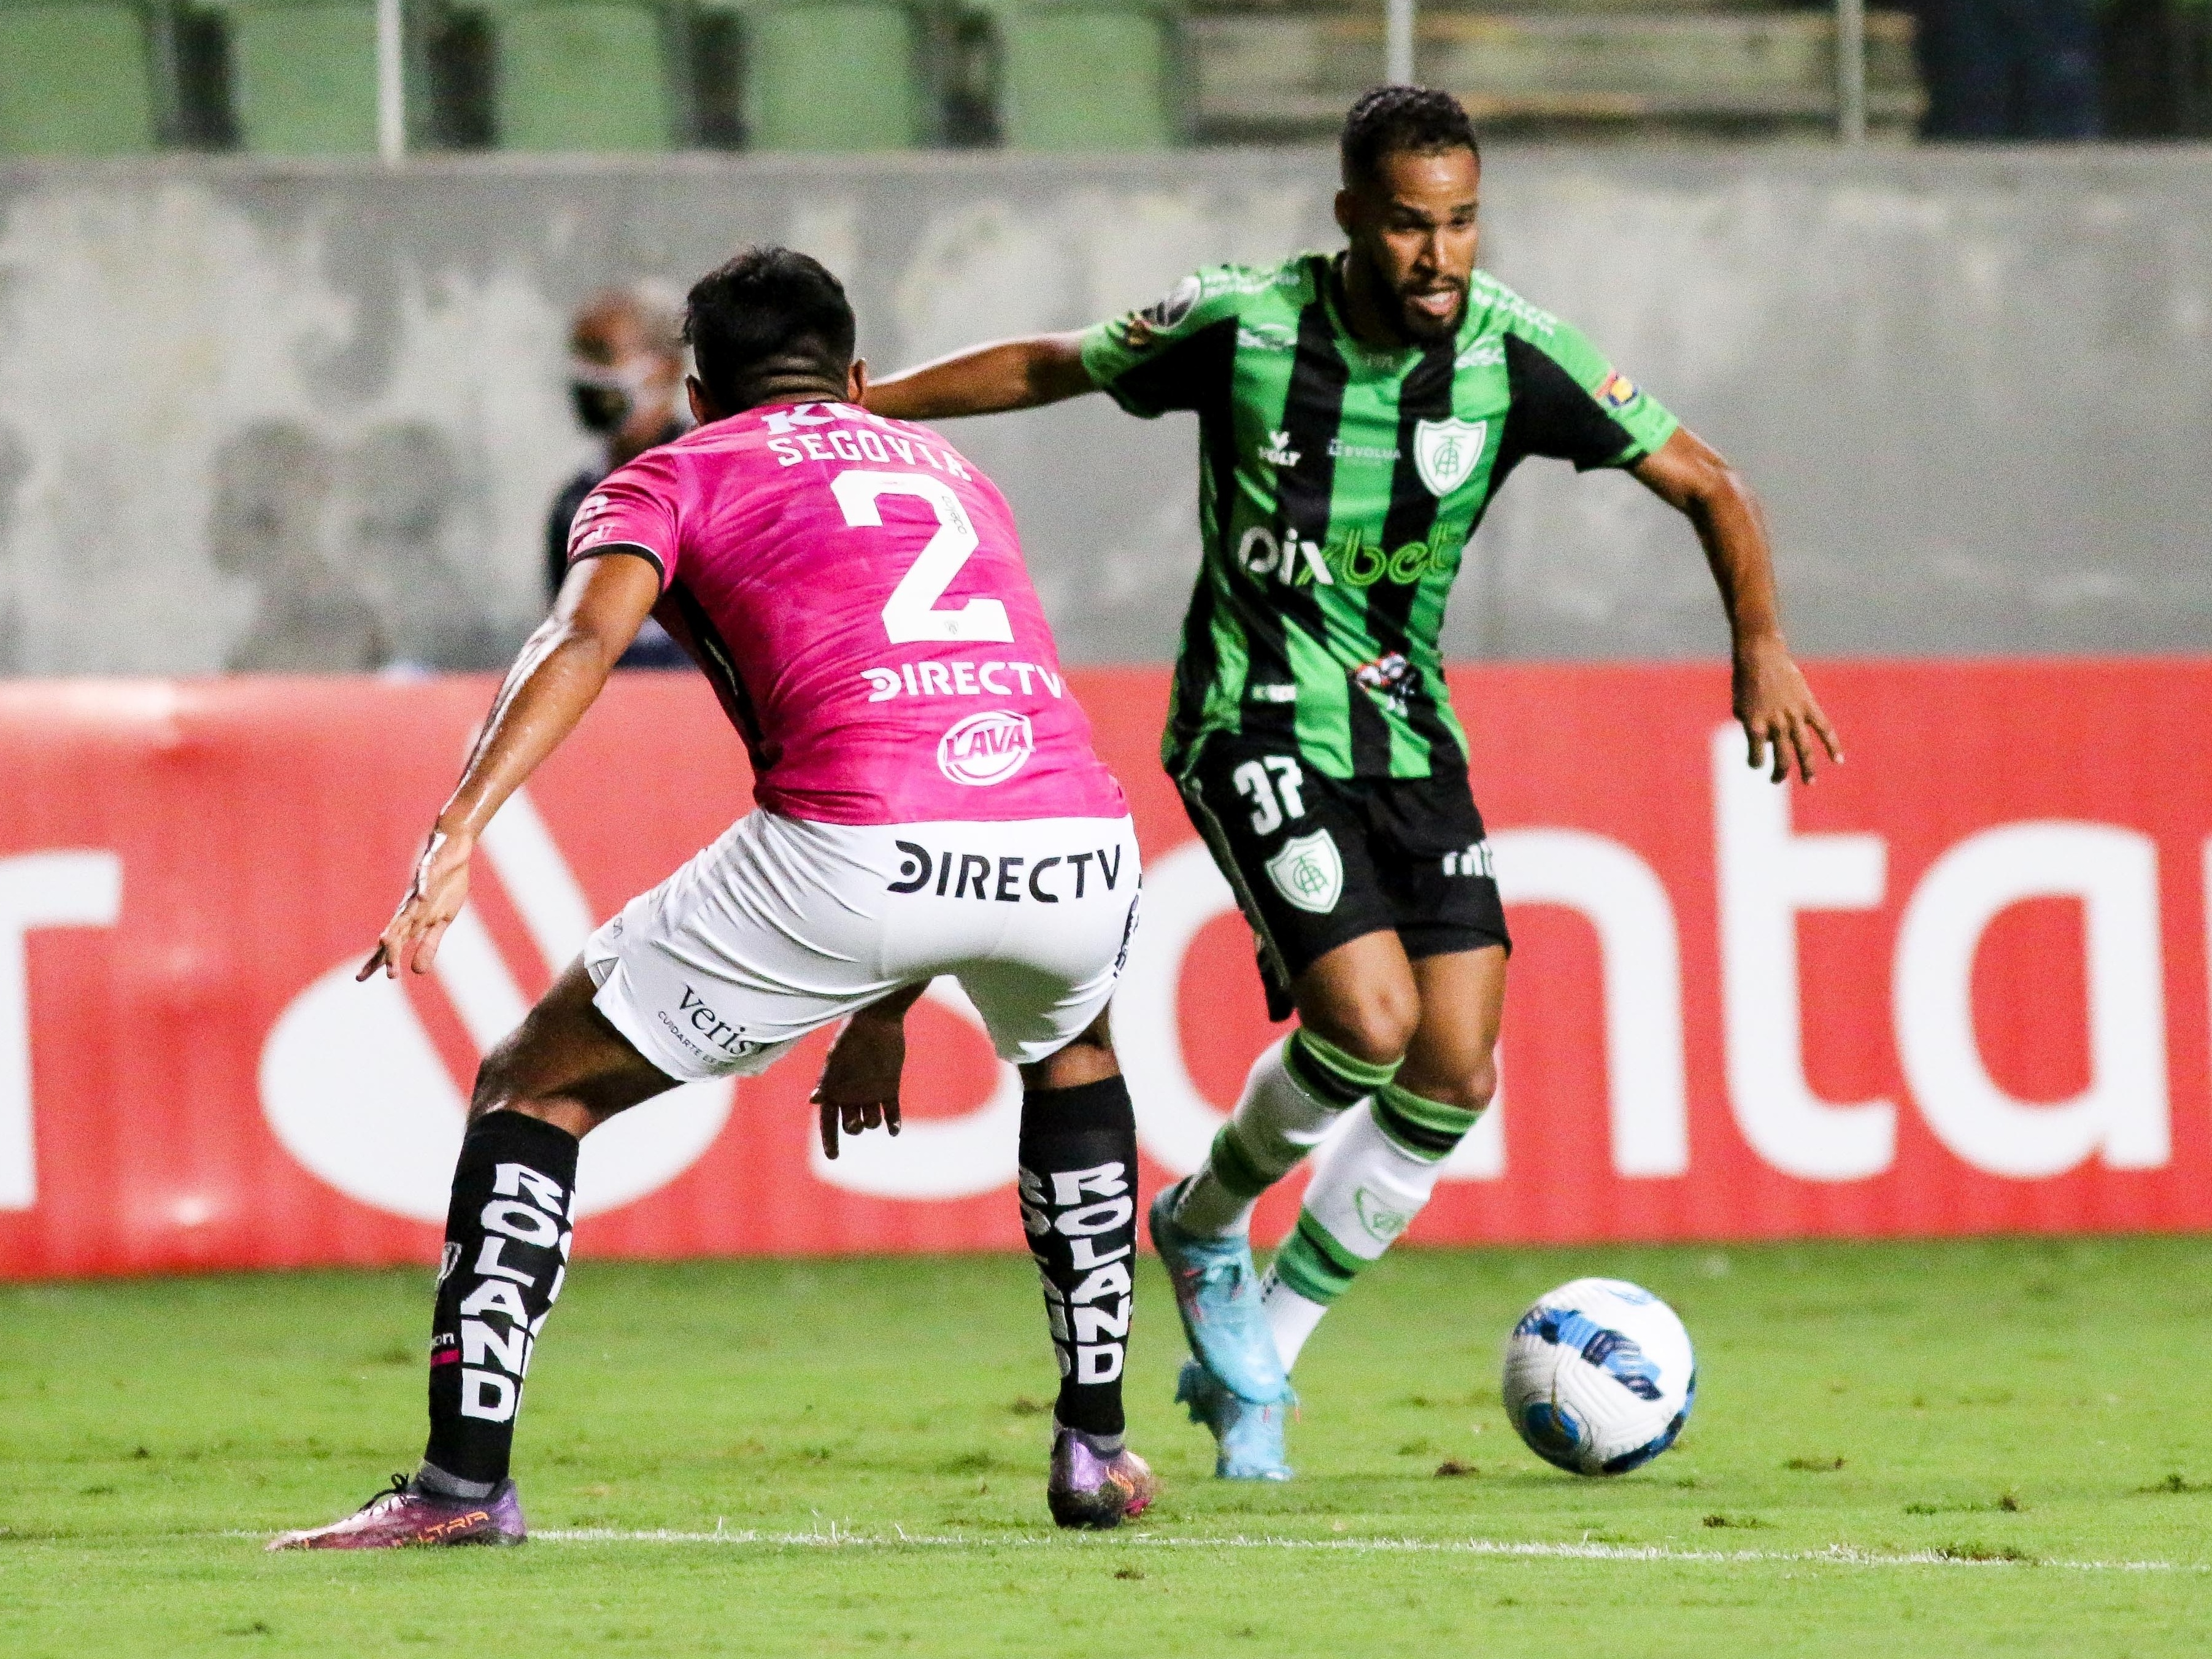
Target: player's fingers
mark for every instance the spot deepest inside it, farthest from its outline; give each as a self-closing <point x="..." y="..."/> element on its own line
<point x="1801" y="743"/>
<point x="1757" y="739"/>
<point x="1828" y="738"/>
<point x="853" y="1120"/>
<point x="1775" y="730"/>
<point x="829" y="1130"/>
<point x="426" y="951"/>
<point x="891" y="1114"/>
<point x="871" y="1116"/>
<point x="375" y="961"/>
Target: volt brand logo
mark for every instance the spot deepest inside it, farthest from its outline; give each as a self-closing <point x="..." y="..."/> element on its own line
<point x="986" y="748"/>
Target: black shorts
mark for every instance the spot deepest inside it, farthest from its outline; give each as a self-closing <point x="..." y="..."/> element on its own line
<point x="1318" y="861"/>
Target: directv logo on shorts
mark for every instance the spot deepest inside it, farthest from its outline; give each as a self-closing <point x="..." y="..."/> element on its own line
<point x="986" y="748"/>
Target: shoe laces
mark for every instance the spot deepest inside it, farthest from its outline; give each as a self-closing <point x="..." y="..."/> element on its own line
<point x="389" y="1495"/>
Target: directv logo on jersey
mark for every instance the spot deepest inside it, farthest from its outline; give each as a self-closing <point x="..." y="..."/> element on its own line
<point x="986" y="748"/>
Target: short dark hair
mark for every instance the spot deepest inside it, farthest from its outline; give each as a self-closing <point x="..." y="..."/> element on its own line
<point x="1399" y="120"/>
<point x="770" y="314"/>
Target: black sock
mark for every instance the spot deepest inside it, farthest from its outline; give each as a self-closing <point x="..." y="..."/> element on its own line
<point x="506" y="1251"/>
<point x="1079" y="1185"/>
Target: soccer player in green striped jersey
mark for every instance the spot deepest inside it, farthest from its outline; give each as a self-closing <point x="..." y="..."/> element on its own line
<point x="1357" y="413"/>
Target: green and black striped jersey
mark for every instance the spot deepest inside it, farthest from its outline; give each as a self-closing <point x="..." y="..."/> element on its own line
<point x="1338" y="485"/>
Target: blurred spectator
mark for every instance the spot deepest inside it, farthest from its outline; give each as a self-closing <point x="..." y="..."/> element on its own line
<point x="268" y="524"/>
<point x="2009" y="68"/>
<point x="626" y="367"/>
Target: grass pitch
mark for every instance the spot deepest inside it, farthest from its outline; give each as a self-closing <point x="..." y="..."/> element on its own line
<point x="1943" y="1450"/>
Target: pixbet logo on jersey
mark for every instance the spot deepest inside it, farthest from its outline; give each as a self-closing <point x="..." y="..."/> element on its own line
<point x="986" y="748"/>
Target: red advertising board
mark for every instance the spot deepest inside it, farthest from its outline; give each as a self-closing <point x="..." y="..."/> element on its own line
<point x="1959" y="986"/>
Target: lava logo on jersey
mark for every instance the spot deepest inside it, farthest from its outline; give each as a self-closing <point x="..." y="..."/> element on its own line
<point x="986" y="748"/>
<point x="1445" y="452"/>
<point x="1310" y="872"/>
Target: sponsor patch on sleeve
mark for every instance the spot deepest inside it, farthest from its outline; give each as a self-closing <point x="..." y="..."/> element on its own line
<point x="1618" y="391"/>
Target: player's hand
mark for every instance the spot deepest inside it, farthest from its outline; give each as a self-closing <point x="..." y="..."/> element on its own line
<point x="860" y="1085"/>
<point x="1778" y="711"/>
<point x="433" y="897"/>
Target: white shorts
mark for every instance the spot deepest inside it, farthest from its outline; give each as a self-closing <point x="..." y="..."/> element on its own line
<point x="784" y="925"/>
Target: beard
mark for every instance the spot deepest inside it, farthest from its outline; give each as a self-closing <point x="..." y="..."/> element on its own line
<point x="1419" y="327"/>
<point x="1412" y="325"/>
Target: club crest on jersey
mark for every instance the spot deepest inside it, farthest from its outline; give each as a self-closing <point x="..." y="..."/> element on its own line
<point x="1445" y="452"/>
<point x="1310" y="872"/>
<point x="986" y="748"/>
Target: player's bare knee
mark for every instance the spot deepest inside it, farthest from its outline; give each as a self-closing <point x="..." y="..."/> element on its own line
<point x="1375" y="1024"/>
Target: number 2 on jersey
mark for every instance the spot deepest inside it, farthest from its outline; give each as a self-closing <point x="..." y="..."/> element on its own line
<point x="910" y="614"/>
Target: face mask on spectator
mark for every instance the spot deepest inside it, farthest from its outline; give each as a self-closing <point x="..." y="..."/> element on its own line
<point x="604" y="395"/>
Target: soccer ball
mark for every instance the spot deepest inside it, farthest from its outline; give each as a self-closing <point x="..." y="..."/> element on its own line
<point x="1599" y="1376"/>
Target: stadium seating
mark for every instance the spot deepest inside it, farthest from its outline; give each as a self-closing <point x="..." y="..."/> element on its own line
<point x="297" y="76"/>
<point x="303" y="76"/>
<point x="583" y="74"/>
<point x="75" y="79"/>
<point x="835" y="75"/>
<point x="1266" y="70"/>
<point x="1089" y="74"/>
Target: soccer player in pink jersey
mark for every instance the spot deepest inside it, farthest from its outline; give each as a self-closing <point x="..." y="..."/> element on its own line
<point x="928" y="802"/>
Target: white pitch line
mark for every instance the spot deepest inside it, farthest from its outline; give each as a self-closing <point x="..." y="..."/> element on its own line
<point x="1835" y="1555"/>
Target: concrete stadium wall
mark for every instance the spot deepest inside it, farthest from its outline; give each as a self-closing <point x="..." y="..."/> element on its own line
<point x="1974" y="388"/>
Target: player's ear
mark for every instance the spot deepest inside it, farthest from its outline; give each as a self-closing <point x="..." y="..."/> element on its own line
<point x="703" y="402"/>
<point x="856" y="383"/>
<point x="1347" y="209"/>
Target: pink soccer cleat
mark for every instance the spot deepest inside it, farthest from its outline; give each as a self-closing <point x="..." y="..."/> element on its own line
<point x="402" y="1517"/>
<point x="1086" y="1490"/>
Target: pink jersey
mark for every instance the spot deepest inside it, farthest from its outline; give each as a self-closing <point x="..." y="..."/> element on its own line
<point x="855" y="590"/>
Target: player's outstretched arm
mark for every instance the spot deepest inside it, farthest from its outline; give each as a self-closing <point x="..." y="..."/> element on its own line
<point x="1776" y="707"/>
<point x="986" y="379"/>
<point x="559" y="672"/>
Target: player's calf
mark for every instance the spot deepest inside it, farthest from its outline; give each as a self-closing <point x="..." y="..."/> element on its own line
<point x="1366" y="1189"/>
<point x="1078" y="1197"/>
<point x="507" y="1236"/>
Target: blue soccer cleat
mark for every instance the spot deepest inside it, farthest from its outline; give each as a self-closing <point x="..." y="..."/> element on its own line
<point x="1250" y="1436"/>
<point x="1217" y="1291"/>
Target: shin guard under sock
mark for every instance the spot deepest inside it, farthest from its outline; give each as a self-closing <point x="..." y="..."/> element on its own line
<point x="1291" y="1100"/>
<point x="1366" y="1189"/>
<point x="507" y="1250"/>
<point x="1078" y="1188"/>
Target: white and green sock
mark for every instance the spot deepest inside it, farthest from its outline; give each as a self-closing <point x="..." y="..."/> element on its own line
<point x="1292" y="1098"/>
<point x="1366" y="1189"/>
